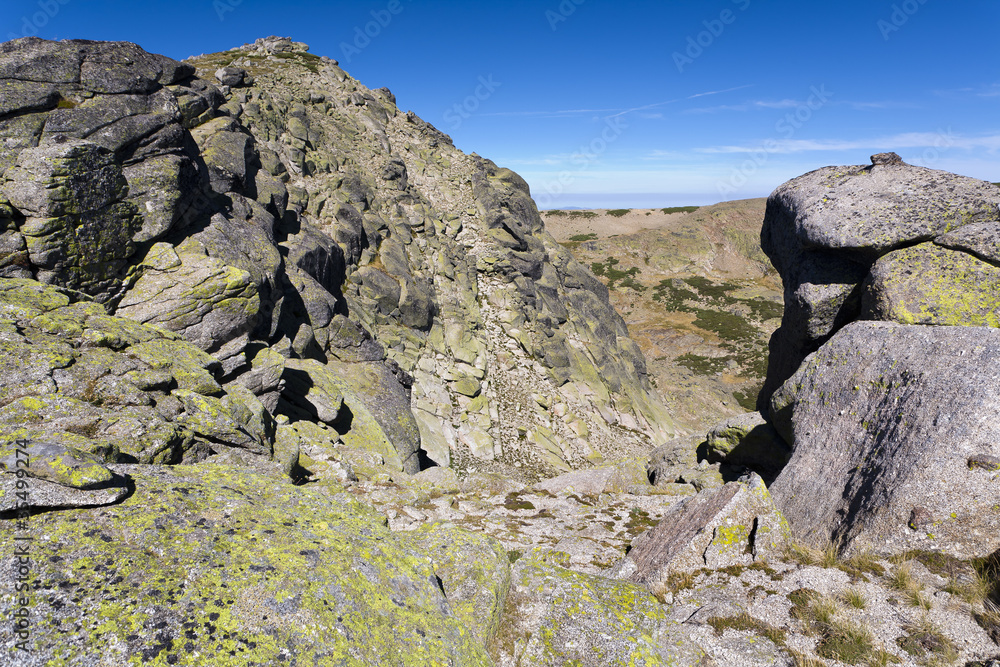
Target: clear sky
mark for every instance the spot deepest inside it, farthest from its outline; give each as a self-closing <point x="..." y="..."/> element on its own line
<point x="631" y="103"/>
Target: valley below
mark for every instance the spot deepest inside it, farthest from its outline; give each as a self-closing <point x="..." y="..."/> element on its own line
<point x="699" y="296"/>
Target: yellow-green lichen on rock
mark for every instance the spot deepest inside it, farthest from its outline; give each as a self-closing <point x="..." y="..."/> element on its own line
<point x="475" y="573"/>
<point x="218" y="564"/>
<point x="80" y="378"/>
<point x="928" y="284"/>
<point x="557" y="617"/>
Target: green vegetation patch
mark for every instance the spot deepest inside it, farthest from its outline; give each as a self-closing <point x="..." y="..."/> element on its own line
<point x="839" y="639"/>
<point x="673" y="297"/>
<point x="846" y="641"/>
<point x="515" y="502"/>
<point x="712" y="290"/>
<point x="702" y="365"/>
<point x="765" y="309"/>
<point x="727" y="326"/>
<point x="607" y="270"/>
<point x="307" y="60"/>
<point x="925" y="639"/>
<point x="680" y="209"/>
<point x="619" y="212"/>
<point x="581" y="238"/>
<point x="746" y="623"/>
<point x="586" y="215"/>
<point x="639" y="521"/>
<point x="748" y="399"/>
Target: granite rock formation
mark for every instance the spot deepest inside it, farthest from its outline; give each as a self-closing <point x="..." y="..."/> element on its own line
<point x="881" y="378"/>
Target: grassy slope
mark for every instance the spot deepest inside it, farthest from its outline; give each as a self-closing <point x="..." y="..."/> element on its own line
<point x="699" y="296"/>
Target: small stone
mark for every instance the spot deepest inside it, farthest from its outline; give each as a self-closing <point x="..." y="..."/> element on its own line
<point x="468" y="387"/>
<point x="886" y="158"/>
<point x="231" y="76"/>
<point x="920" y="518"/>
<point x="984" y="462"/>
<point x="56" y="463"/>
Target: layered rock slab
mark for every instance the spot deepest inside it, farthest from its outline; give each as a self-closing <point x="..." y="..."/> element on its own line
<point x="731" y="526"/>
<point x="883" y="422"/>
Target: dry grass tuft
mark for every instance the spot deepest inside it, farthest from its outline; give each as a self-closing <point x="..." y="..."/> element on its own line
<point x="854" y="598"/>
<point x="924" y="640"/>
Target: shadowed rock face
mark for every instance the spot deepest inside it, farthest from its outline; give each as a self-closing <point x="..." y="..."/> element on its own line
<point x="251" y="202"/>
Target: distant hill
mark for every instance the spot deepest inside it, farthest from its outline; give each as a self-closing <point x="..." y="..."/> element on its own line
<point x="698" y="294"/>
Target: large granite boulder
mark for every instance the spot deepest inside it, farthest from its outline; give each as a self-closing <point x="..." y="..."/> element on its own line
<point x="892" y="428"/>
<point x="823" y="232"/>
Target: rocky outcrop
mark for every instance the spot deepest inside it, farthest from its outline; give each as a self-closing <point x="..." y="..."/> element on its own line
<point x="731" y="526"/>
<point x="825" y="230"/>
<point x="261" y="201"/>
<point x="78" y="378"/>
<point x="884" y="416"/>
<point x="884" y="422"/>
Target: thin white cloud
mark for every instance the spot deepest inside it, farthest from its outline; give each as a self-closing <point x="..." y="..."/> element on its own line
<point x="756" y="105"/>
<point x="982" y="90"/>
<point x="611" y="113"/>
<point x="718" y="92"/>
<point x="940" y="140"/>
<point x="560" y="113"/>
<point x="992" y="90"/>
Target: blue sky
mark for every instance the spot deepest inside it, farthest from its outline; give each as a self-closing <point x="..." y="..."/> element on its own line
<point x="629" y="103"/>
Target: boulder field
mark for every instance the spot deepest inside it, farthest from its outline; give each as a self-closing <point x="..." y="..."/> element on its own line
<point x="288" y="379"/>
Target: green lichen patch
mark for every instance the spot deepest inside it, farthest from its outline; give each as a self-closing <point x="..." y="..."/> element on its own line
<point x="221" y="562"/>
<point x="586" y="620"/>
<point x="928" y="284"/>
